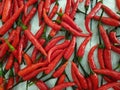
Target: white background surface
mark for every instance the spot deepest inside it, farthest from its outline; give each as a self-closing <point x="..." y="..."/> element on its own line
<point x="80" y="21"/>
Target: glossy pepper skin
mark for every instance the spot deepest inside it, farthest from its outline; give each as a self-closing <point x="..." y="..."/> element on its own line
<point x="118" y="3"/>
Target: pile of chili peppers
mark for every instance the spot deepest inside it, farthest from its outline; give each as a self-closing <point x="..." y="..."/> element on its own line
<point x="52" y="53"/>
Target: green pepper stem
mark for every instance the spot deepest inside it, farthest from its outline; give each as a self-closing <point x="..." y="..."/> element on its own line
<point x="9" y="45"/>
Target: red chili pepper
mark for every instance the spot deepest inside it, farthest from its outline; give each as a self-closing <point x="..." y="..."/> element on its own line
<point x="107" y="59"/>
<point x="81" y="49"/>
<point x="74" y="9"/>
<point x="52" y="64"/>
<point x="89" y="83"/>
<point x="79" y="76"/>
<point x="2" y="7"/>
<point x="108" y="21"/>
<point x="68" y="7"/>
<point x="118" y="4"/>
<point x="72" y="30"/>
<point x="91" y="58"/>
<point x="100" y="58"/>
<point x="16" y="6"/>
<point x="110" y="12"/>
<point x="35" y="42"/>
<point x="30" y="16"/>
<point x="91" y="14"/>
<point x="49" y="22"/>
<point x="53" y="42"/>
<point x="109" y="85"/>
<point x="9" y="62"/>
<point x="59" y="46"/>
<point x="107" y="72"/>
<point x="41" y="85"/>
<point x="67" y="19"/>
<point x="47" y="5"/>
<point x="104" y="37"/>
<point x="54" y="10"/>
<point x="113" y="38"/>
<point x="6" y="10"/>
<point x="61" y="79"/>
<point x="29" y="69"/>
<point x="70" y="48"/>
<point x="10" y="22"/>
<point x="33" y="73"/>
<point x="63" y="85"/>
<point x="60" y="70"/>
<point x="115" y="49"/>
<point x="40" y="11"/>
<point x="87" y="4"/>
<point x="80" y="1"/>
<point x="21" y="3"/>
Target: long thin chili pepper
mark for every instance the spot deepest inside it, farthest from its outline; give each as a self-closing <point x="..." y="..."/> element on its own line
<point x="59" y="46"/>
<point x="63" y="85"/>
<point x="70" y="49"/>
<point x="6" y="10"/>
<point x="118" y="4"/>
<point x="80" y="76"/>
<point x="68" y="7"/>
<point x="16" y="6"/>
<point x="21" y="2"/>
<point x="107" y="72"/>
<point x="107" y="59"/>
<point x="115" y="49"/>
<point x="91" y="14"/>
<point x="49" y="22"/>
<point x="47" y="5"/>
<point x="109" y="85"/>
<point x="61" y="79"/>
<point x="91" y="58"/>
<point x="81" y="49"/>
<point x="87" y="4"/>
<point x="110" y="12"/>
<point x="60" y="70"/>
<point x="2" y="7"/>
<point x="10" y="22"/>
<point x="104" y="37"/>
<point x="89" y="83"/>
<point x="113" y="38"/>
<point x="108" y="21"/>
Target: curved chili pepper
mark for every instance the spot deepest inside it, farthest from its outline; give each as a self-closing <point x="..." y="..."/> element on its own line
<point x="107" y="72"/>
<point x="110" y="12"/>
<point x="104" y="37"/>
<point x="61" y="79"/>
<point x="52" y="42"/>
<point x="79" y="76"/>
<point x="81" y="49"/>
<point x="9" y="62"/>
<point x="109" y="85"/>
<point x="91" y="14"/>
<point x="89" y="83"/>
<point x="67" y="19"/>
<point x="47" y="5"/>
<point x="60" y="70"/>
<point x="6" y="10"/>
<point x="59" y="46"/>
<point x="34" y="73"/>
<point x="113" y="38"/>
<point x="74" y="9"/>
<point x="108" y="21"/>
<point x="115" y="49"/>
<point x="41" y="85"/>
<point x="68" y="7"/>
<point x="118" y="4"/>
<point x="100" y="57"/>
<point x="54" y="62"/>
<point x="107" y="59"/>
<point x="63" y="85"/>
<point x="10" y="22"/>
<point x="91" y="58"/>
<point x="49" y="22"/>
<point x="70" y="48"/>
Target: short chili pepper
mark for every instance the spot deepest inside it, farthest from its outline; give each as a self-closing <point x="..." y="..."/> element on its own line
<point x="81" y="49"/>
<point x="91" y="58"/>
<point x="68" y="7"/>
<point x="110" y="12"/>
<point x="118" y="4"/>
<point x="61" y="79"/>
<point x="70" y="48"/>
<point x="10" y="22"/>
<point x="115" y="49"/>
<point x="107" y="72"/>
<point x="113" y="38"/>
<point x="107" y="59"/>
<point x="79" y="76"/>
<point x="104" y="37"/>
<point x="63" y="85"/>
<point x="92" y="13"/>
<point x="109" y="85"/>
